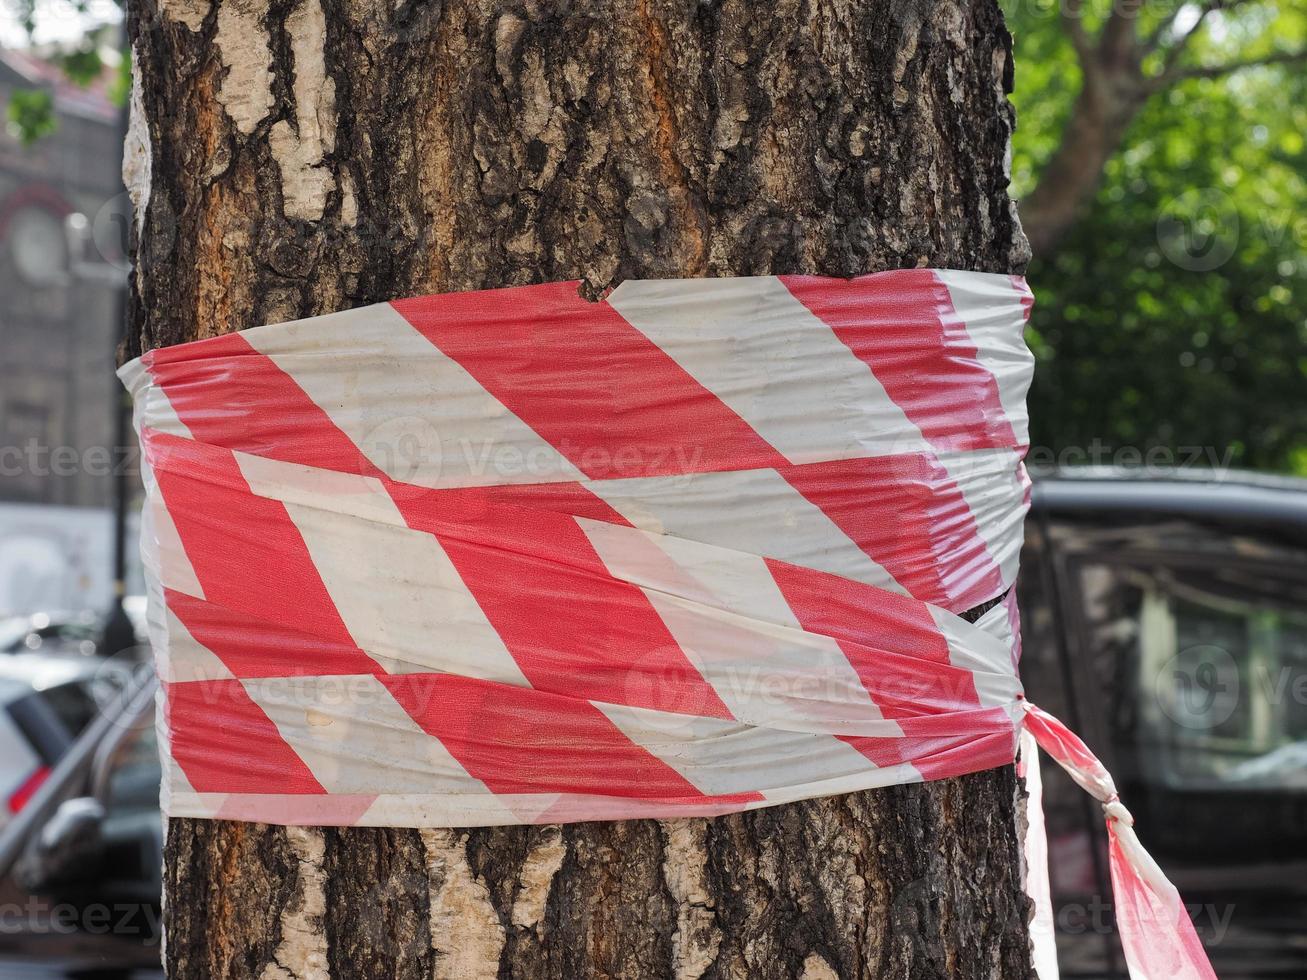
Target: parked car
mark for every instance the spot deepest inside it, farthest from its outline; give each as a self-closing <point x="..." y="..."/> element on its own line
<point x="54" y="632"/>
<point x="1165" y="619"/>
<point x="83" y="855"/>
<point x="45" y="702"/>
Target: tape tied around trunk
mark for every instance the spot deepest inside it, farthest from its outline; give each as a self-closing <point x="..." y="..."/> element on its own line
<point x="511" y="556"/>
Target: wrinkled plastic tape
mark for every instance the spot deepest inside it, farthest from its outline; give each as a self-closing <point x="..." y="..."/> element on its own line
<point x="515" y="557"/>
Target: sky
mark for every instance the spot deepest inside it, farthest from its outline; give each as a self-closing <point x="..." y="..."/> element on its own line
<point x="57" y="20"/>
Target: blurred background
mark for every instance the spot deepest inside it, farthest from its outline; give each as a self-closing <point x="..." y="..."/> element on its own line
<point x="1161" y="168"/>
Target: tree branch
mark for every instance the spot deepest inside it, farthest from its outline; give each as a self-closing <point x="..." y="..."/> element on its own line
<point x="1115" y="88"/>
<point x="1178" y="45"/>
<point x="1217" y="71"/>
<point x="1159" y="34"/>
<point x="1074" y="25"/>
<point x="1118" y="41"/>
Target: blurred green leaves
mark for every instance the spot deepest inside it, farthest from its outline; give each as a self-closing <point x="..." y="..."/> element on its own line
<point x="82" y="65"/>
<point x="1175" y="312"/>
<point x="31" y="114"/>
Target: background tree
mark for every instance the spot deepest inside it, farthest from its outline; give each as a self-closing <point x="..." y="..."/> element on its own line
<point x="294" y="157"/>
<point x="1161" y="169"/>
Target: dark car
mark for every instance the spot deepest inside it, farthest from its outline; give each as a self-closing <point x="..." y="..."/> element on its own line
<point x="85" y="850"/>
<point x="1165" y="619"/>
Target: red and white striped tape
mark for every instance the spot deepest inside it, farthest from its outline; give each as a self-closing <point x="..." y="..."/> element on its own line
<point x="514" y="557"/>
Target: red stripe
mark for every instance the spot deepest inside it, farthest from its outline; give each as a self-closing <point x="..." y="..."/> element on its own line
<point x="908" y="515"/>
<point x="573" y="499"/>
<point x="589" y="383"/>
<point x="516" y="740"/>
<point x="892" y="642"/>
<point x="225" y="743"/>
<point x="251" y="647"/>
<point x="568" y="623"/>
<point x="1027" y="298"/>
<point x="229" y="394"/>
<point x="246" y="551"/>
<point x="903" y="326"/>
<point x="944" y="757"/>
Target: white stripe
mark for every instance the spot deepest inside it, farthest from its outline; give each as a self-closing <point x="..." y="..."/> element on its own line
<point x="781" y="369"/>
<point x="460" y="810"/>
<point x="355" y="737"/>
<point x="727" y="614"/>
<point x="990" y="483"/>
<point x="990" y="308"/>
<point x="766" y="517"/>
<point x="347" y="494"/>
<point x="181" y="657"/>
<point x="173" y="779"/>
<point x="453" y="810"/>
<point x="976" y="649"/>
<point x="719" y="757"/>
<point x="150" y="405"/>
<point x="415" y="413"/>
<point x="398" y="593"/>
<point x="162" y="551"/>
<point x="998" y="623"/>
<point x="1043" y="944"/>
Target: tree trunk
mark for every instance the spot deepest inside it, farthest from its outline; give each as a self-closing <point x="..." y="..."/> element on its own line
<point x="289" y="159"/>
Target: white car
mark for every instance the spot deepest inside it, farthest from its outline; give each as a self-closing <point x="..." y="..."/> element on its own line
<point x="50" y="633"/>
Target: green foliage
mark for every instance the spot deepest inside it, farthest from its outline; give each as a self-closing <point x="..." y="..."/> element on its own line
<point x="83" y="65"/>
<point x="120" y="89"/>
<point x="1175" y="313"/>
<point x="31" y="114"/>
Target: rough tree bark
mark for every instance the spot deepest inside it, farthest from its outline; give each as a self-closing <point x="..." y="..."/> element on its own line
<point x="295" y="157"/>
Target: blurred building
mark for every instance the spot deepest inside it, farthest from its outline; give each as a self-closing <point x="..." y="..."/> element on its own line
<point x="58" y="332"/>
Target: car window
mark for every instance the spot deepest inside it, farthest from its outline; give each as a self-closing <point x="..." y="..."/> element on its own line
<point x="41" y="726"/>
<point x="73" y="703"/>
<point x="72" y="632"/>
<point x="134" y="778"/>
<point x="1209" y="668"/>
<point x="1202" y="674"/>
